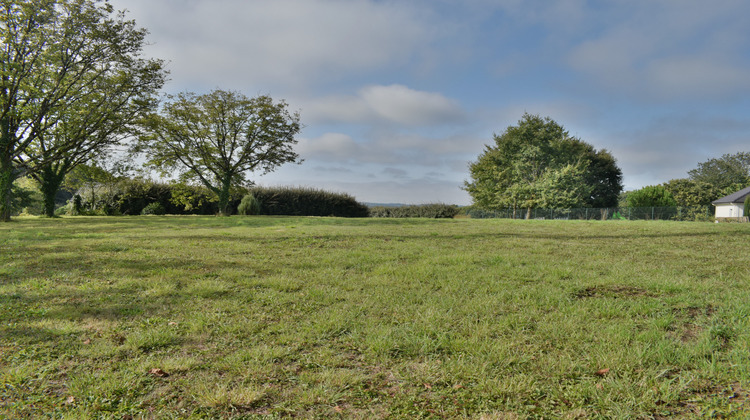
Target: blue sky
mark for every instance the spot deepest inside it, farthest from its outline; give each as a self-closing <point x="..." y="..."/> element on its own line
<point x="397" y="97"/>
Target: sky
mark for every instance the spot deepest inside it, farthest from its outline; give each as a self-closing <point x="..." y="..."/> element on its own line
<point x="397" y="97"/>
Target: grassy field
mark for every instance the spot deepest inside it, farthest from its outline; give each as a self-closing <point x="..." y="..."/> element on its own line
<point x="206" y="317"/>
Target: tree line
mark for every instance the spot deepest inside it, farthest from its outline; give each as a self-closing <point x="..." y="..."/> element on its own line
<point x="537" y="164"/>
<point x="74" y="84"/>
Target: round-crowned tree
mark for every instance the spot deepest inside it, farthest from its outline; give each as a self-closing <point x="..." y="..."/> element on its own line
<point x="536" y="163"/>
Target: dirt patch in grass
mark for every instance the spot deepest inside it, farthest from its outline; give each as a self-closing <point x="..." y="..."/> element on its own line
<point x="690" y="328"/>
<point x="613" y="291"/>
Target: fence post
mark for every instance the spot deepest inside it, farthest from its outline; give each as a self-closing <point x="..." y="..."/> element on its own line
<point x="652" y="213"/>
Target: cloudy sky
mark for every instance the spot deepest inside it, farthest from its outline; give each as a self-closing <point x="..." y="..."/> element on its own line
<point x="398" y="96"/>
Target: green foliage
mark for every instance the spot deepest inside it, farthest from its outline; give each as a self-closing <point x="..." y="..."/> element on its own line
<point x="432" y="211"/>
<point x="746" y="207"/>
<point x="689" y="192"/>
<point x="76" y="207"/>
<point x="536" y="164"/>
<point x="651" y="196"/>
<point x="217" y="138"/>
<point x="26" y="198"/>
<point x="249" y="206"/>
<point x="193" y="199"/>
<point x="73" y="78"/>
<point x="133" y="196"/>
<point x="564" y="188"/>
<point x="731" y="172"/>
<point x="155" y="208"/>
<point x="307" y="202"/>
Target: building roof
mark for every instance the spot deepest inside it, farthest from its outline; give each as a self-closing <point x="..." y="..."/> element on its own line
<point x="738" y="197"/>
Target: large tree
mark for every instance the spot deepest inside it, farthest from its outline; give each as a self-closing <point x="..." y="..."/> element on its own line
<point x="217" y="138"/>
<point x="101" y="119"/>
<point x="728" y="173"/>
<point x="536" y="160"/>
<point x="60" y="65"/>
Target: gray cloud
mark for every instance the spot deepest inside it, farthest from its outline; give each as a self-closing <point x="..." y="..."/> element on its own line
<point x="670" y="50"/>
<point x="395" y="173"/>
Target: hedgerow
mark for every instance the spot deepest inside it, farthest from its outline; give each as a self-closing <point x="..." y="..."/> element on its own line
<point x="433" y="211"/>
<point x="299" y="201"/>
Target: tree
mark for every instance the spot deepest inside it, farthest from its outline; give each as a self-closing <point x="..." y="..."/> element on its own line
<point x="688" y="192"/>
<point x="651" y="196"/>
<point x="64" y="67"/>
<point x="728" y="173"/>
<point x="99" y="120"/>
<point x="536" y="160"/>
<point x="216" y="138"/>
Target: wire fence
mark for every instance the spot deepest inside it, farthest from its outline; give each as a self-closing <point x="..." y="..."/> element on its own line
<point x="695" y="213"/>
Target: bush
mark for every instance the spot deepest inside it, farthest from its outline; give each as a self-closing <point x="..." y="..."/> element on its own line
<point x="307" y="202"/>
<point x="249" y="206"/>
<point x="25" y="198"/>
<point x="433" y="211"/>
<point x="76" y="207"/>
<point x="651" y="196"/>
<point x="154" y="208"/>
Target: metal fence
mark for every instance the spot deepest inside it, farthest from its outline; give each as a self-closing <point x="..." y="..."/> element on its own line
<point x="696" y="213"/>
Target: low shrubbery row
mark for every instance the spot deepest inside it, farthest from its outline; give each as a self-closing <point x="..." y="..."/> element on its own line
<point x="307" y="202"/>
<point x="433" y="211"/>
<point x="138" y="196"/>
<point x="685" y="213"/>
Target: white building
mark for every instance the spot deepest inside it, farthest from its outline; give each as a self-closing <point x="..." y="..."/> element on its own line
<point x="731" y="206"/>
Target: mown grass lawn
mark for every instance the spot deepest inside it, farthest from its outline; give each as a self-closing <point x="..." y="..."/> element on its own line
<point x="243" y="317"/>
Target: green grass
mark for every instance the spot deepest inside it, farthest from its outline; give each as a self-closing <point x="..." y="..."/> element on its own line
<point x="373" y="318"/>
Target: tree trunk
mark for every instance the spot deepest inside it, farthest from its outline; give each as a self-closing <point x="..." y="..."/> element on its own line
<point x="50" y="180"/>
<point x="528" y="213"/>
<point x="224" y="197"/>
<point x="7" y="176"/>
<point x="7" y="172"/>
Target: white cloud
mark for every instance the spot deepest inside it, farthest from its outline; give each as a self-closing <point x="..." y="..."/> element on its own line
<point x="238" y="43"/>
<point x="410" y="107"/>
<point x="393" y="104"/>
<point x="329" y="147"/>
<point x="392" y="149"/>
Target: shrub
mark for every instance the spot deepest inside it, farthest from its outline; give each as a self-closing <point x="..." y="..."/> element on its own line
<point x="76" y="206"/>
<point x="155" y="208"/>
<point x="307" y="202"/>
<point x="651" y="196"/>
<point x="746" y="212"/>
<point x="249" y="206"/>
<point x="63" y="210"/>
<point x="433" y="211"/>
<point x="193" y="199"/>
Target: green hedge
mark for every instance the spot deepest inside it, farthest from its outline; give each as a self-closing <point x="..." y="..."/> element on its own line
<point x="687" y="213"/>
<point x="133" y="196"/>
<point x="433" y="211"/>
<point x="307" y="202"/>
